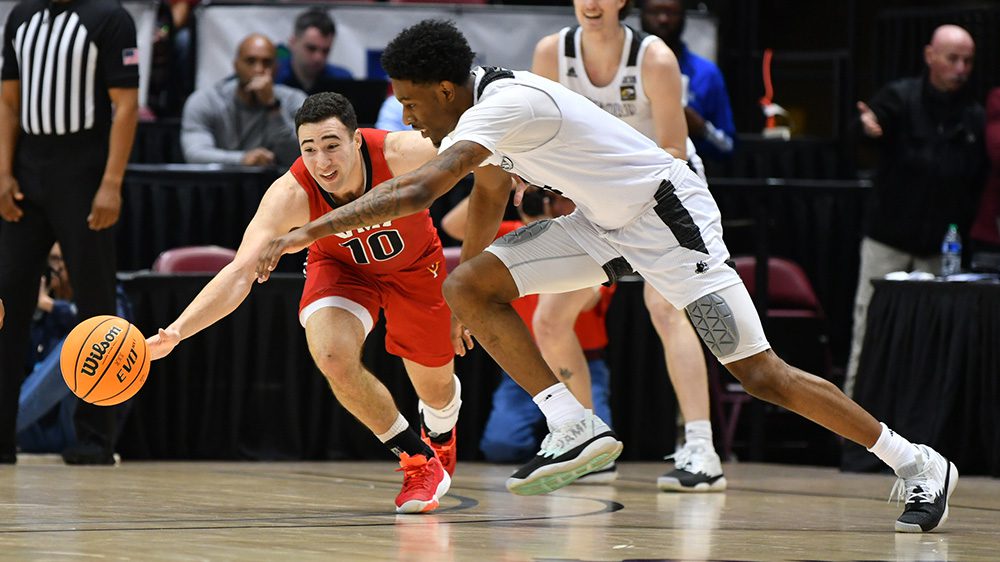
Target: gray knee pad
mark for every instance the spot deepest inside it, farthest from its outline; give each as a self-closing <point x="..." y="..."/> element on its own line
<point x="713" y="320"/>
<point x="523" y="234"/>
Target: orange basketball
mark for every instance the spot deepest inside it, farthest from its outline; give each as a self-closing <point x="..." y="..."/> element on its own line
<point x="104" y="360"/>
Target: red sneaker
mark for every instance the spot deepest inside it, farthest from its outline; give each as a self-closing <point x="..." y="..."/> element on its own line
<point x="424" y="482"/>
<point x="444" y="451"/>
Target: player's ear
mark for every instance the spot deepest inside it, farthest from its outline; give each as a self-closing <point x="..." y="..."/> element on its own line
<point x="357" y="139"/>
<point x="447" y="90"/>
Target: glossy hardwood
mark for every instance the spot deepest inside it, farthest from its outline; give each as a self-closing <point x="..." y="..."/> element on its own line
<point x="343" y="511"/>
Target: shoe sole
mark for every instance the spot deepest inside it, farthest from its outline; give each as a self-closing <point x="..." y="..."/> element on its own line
<point x="418" y="506"/>
<point x="594" y="456"/>
<point x="674" y="485"/>
<point x="952" y="484"/>
<point x="596" y="478"/>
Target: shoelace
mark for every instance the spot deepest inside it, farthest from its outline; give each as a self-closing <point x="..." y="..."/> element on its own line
<point x="412" y="468"/>
<point x="684" y="459"/>
<point x="913" y="489"/>
<point x="555" y="442"/>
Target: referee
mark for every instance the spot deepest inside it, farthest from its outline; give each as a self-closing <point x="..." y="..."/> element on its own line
<point x="68" y="112"/>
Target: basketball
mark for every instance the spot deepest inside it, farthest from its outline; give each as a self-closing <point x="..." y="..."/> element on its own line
<point x="104" y="360"/>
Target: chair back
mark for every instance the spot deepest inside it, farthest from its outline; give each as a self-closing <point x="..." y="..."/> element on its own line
<point x="788" y="287"/>
<point x="194" y="259"/>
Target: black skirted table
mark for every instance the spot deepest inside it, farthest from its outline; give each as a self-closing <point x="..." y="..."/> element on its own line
<point x="930" y="369"/>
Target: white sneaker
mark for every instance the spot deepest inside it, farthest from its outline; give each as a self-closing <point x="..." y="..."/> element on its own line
<point x="605" y="475"/>
<point x="925" y="484"/>
<point x="566" y="454"/>
<point x="697" y="468"/>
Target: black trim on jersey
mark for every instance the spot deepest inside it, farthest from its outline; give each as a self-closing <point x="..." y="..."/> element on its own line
<point x="493" y="73"/>
<point x="569" y="44"/>
<point x="633" y="50"/>
<point x="328" y="197"/>
<point x="673" y="214"/>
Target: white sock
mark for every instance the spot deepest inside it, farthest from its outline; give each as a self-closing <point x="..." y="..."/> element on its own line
<point x="699" y="432"/>
<point x="398" y="426"/>
<point x="559" y="405"/>
<point x="443" y="420"/>
<point x="893" y="449"/>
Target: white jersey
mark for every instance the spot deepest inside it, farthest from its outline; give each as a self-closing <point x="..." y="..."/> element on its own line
<point x="624" y="97"/>
<point x="555" y="138"/>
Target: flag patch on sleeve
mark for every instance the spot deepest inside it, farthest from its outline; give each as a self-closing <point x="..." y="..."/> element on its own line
<point x="130" y="56"/>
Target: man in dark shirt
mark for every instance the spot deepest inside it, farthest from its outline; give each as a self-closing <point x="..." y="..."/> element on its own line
<point x="68" y="112"/>
<point x="306" y="66"/>
<point x="929" y="130"/>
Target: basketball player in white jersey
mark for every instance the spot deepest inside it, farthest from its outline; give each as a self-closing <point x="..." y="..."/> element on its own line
<point x="637" y="207"/>
<point x="630" y="75"/>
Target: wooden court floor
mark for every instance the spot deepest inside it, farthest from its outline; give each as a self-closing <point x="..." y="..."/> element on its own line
<point x="343" y="511"/>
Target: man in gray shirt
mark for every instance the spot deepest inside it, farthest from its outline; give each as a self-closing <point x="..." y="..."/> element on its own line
<point x="244" y="119"/>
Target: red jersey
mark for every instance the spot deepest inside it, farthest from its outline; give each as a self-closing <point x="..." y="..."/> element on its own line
<point x="590" y="328"/>
<point x="386" y="248"/>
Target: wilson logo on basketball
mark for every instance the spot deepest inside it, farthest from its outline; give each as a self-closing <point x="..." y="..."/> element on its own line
<point x="98" y="350"/>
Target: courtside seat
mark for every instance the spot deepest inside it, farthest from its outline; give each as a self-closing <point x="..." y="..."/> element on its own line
<point x="194" y="259"/>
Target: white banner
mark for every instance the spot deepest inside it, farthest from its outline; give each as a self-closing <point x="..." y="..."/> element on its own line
<point x="144" y="14"/>
<point x="500" y="35"/>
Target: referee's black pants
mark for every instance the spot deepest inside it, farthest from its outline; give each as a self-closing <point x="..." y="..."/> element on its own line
<point x="58" y="176"/>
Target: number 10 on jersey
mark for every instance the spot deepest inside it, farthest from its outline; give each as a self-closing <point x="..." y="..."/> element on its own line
<point x="380" y="246"/>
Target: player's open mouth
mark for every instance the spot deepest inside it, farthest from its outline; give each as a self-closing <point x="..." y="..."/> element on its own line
<point x="592" y="16"/>
<point x="330" y="176"/>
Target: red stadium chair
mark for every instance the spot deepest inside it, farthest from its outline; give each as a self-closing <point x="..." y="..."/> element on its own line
<point x="452" y="257"/>
<point x="194" y="259"/>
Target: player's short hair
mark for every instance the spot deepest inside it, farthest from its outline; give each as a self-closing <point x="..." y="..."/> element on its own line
<point x="533" y="202"/>
<point x="318" y="18"/>
<point x="324" y="105"/>
<point x="428" y="52"/>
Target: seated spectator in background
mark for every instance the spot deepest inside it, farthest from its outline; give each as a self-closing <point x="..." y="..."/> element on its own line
<point x="390" y="116"/>
<point x="985" y="231"/>
<point x="709" y="115"/>
<point x="515" y="426"/>
<point x="46" y="406"/>
<point x="305" y="67"/>
<point x="244" y="119"/>
<point x="929" y="132"/>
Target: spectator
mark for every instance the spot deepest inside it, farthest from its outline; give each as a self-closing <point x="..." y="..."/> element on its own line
<point x="46" y="405"/>
<point x="306" y="66"/>
<point x="709" y="116"/>
<point x="985" y="231"/>
<point x="929" y="130"/>
<point x="390" y="116"/>
<point x="244" y="119"/>
<point x="61" y="170"/>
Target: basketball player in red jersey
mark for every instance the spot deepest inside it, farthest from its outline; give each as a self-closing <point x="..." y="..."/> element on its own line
<point x="397" y="266"/>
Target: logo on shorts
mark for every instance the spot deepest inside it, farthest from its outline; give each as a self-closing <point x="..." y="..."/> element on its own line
<point x="506" y="164"/>
<point x="434" y="269"/>
<point x="701" y="267"/>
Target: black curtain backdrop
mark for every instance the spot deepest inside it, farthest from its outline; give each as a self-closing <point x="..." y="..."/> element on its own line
<point x="931" y="371"/>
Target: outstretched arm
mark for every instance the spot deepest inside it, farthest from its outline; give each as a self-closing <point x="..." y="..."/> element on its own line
<point x="398" y="197"/>
<point x="284" y="206"/>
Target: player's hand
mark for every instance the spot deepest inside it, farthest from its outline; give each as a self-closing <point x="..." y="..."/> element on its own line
<point x="10" y="192"/>
<point x="259" y="156"/>
<point x="461" y="337"/>
<point x="869" y="121"/>
<point x="107" y="206"/>
<point x="519" y="186"/>
<point x="295" y="241"/>
<point x="162" y="343"/>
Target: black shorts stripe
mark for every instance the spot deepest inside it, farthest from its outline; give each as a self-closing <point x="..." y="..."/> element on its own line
<point x="677" y="218"/>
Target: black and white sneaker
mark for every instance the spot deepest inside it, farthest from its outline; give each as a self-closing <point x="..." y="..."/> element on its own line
<point x="697" y="468"/>
<point x="925" y="484"/>
<point x="566" y="454"/>
<point x="605" y="475"/>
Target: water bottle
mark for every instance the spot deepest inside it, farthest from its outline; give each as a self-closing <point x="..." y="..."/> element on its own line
<point x="951" y="252"/>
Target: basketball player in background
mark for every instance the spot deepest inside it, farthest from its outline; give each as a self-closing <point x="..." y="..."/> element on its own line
<point x="637" y="206"/>
<point x="630" y="75"/>
<point x="396" y="266"/>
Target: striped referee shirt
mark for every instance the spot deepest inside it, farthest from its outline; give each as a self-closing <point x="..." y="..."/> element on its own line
<point x="66" y="56"/>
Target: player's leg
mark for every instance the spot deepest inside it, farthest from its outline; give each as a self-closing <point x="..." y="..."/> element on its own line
<point x="697" y="467"/>
<point x="418" y="329"/>
<point x="553" y="323"/>
<point x="539" y="258"/>
<point x="338" y="310"/>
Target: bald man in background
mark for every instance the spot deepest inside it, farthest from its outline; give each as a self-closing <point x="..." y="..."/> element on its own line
<point x="246" y="118"/>
<point x="929" y="131"/>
